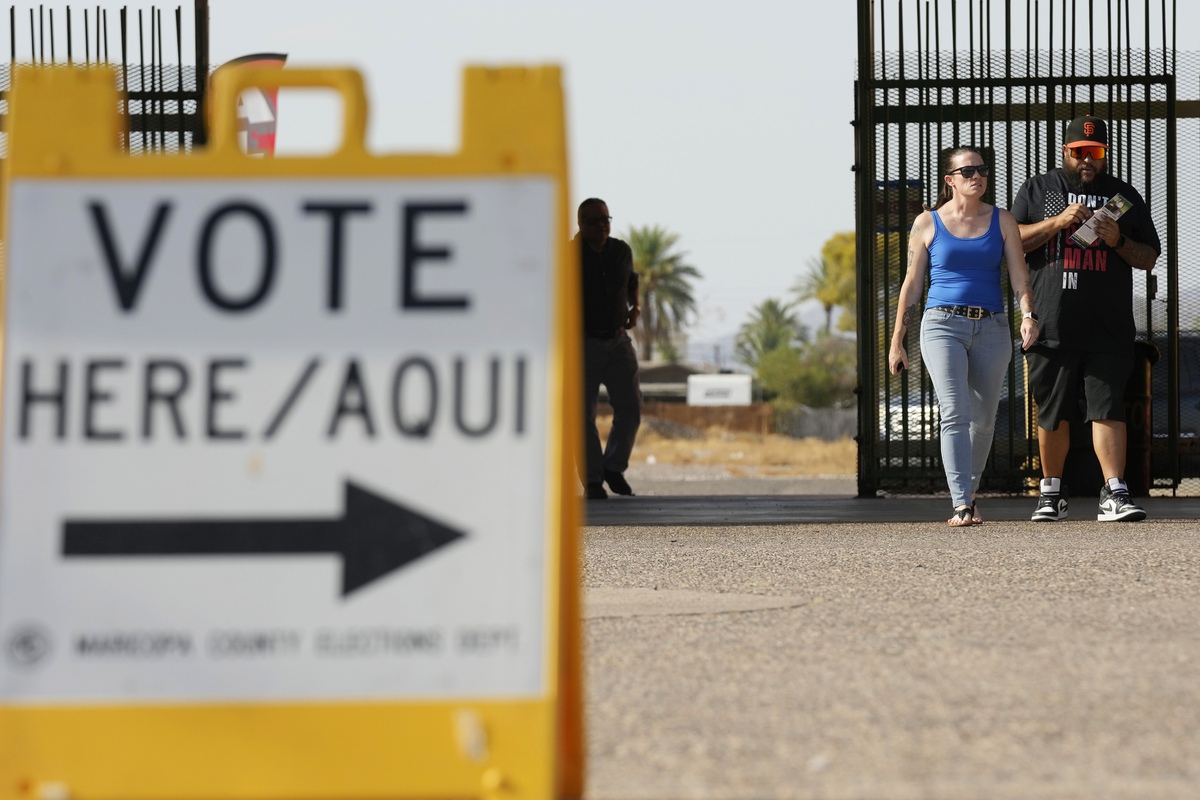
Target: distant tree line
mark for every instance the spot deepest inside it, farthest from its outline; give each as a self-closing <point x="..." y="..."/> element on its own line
<point x="792" y="366"/>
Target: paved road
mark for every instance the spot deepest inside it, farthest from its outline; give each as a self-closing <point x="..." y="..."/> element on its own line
<point x="883" y="655"/>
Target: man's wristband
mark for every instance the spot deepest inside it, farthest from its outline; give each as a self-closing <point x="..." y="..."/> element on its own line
<point x="1120" y="242"/>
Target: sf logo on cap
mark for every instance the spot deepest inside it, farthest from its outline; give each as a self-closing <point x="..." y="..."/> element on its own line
<point x="1089" y="129"/>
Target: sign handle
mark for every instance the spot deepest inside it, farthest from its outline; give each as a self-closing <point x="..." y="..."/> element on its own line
<point x="228" y="84"/>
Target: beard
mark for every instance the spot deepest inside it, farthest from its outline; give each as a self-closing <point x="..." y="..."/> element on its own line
<point x="1075" y="177"/>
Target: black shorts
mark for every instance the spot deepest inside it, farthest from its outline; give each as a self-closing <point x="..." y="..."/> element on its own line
<point x="1074" y="386"/>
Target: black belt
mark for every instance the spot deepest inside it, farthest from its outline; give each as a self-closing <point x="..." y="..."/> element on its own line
<point x="970" y="312"/>
<point x="609" y="334"/>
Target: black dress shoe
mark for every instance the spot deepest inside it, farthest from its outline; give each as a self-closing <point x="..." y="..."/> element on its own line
<point x="595" y="491"/>
<point x="616" y="481"/>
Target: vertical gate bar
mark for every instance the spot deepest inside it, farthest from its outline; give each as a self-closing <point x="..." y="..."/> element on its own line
<point x="1032" y="156"/>
<point x="161" y="79"/>
<point x="937" y="34"/>
<point x="1163" y="15"/>
<point x="179" y="79"/>
<point x="864" y="167"/>
<point x="1174" y="36"/>
<point x="971" y="92"/>
<point x="885" y="252"/>
<point x="106" y="61"/>
<point x="926" y="174"/>
<point x="159" y="83"/>
<point x="1124" y="34"/>
<point x="1115" y="88"/>
<point x="901" y="123"/>
<point x="927" y="170"/>
<point x="1172" y="332"/>
<point x="150" y="103"/>
<point x="200" y="29"/>
<point x="41" y="34"/>
<point x="99" y="57"/>
<point x="12" y="34"/>
<point x="149" y="135"/>
<point x="1074" y="85"/>
<point x="1091" y="59"/>
<point x="1031" y="71"/>
<point x="922" y="76"/>
<point x="52" y="36"/>
<point x="1146" y="57"/>
<point x="864" y="137"/>
<point x="1050" y="42"/>
<point x="989" y="67"/>
<point x="1171" y="202"/>
<point x="1014" y="460"/>
<point x="1052" y="94"/>
<point x="985" y="70"/>
<point x="124" y="20"/>
<point x="155" y="83"/>
<point x="70" y="54"/>
<point x="953" y="73"/>
<point x="141" y="83"/>
<point x="32" y="39"/>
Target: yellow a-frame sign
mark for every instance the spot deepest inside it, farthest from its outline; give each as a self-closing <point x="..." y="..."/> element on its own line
<point x="286" y="503"/>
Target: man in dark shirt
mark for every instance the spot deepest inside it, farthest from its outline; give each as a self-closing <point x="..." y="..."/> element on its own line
<point x="1084" y="299"/>
<point x="610" y="308"/>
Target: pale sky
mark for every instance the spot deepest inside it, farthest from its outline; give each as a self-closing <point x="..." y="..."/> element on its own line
<point x="727" y="123"/>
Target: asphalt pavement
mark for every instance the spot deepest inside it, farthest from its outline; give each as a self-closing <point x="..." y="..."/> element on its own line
<point x="777" y="644"/>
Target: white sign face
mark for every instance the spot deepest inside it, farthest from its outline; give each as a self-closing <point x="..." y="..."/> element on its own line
<point x="275" y="440"/>
<point x="718" y="390"/>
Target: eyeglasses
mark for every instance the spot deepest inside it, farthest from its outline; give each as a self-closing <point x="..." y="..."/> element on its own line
<point x="1098" y="152"/>
<point x="596" y="220"/>
<point x="969" y="171"/>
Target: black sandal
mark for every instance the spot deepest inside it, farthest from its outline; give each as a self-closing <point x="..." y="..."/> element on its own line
<point x="963" y="518"/>
<point x="975" y="518"/>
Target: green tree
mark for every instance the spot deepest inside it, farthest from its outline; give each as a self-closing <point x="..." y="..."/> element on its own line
<point x="820" y="373"/>
<point x="830" y="280"/>
<point x="829" y="373"/>
<point x="772" y="324"/>
<point x="664" y="286"/>
<point x="820" y="284"/>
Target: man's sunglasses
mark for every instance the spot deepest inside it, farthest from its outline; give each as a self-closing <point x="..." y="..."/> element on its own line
<point x="1096" y="151"/>
<point x="969" y="172"/>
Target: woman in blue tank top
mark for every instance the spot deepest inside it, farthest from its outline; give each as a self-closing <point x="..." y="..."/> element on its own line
<point x="965" y="339"/>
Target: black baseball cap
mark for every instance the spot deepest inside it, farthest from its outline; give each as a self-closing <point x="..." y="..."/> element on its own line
<point x="1087" y="130"/>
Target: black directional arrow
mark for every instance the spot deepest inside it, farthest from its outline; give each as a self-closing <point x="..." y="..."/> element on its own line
<point x="374" y="537"/>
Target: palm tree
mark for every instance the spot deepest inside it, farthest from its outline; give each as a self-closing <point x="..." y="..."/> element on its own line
<point x="772" y="324"/>
<point x="830" y="280"/>
<point x="664" y="285"/>
<point x="820" y="283"/>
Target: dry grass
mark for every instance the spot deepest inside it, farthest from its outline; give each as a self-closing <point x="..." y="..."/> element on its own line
<point x="741" y="453"/>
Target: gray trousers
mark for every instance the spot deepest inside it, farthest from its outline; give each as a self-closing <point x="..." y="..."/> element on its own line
<point x="612" y="362"/>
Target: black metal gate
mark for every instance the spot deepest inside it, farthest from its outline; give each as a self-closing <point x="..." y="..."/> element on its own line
<point x="164" y="95"/>
<point x="930" y="77"/>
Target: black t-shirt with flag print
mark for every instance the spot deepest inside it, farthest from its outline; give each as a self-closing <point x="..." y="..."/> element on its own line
<point x="1083" y="295"/>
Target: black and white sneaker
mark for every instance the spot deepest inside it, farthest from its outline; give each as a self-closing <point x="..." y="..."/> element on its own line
<point x="1052" y="504"/>
<point x="1115" y="506"/>
<point x="1051" y="507"/>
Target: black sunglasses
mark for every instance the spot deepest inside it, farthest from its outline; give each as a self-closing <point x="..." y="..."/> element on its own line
<point x="969" y="172"/>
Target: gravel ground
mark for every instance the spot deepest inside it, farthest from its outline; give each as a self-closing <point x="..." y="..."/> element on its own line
<point x="893" y="661"/>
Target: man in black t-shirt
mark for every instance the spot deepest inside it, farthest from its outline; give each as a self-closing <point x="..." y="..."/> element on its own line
<point x="610" y="308"/>
<point x="1083" y="297"/>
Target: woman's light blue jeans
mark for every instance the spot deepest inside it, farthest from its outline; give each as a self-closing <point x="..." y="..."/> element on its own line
<point x="967" y="360"/>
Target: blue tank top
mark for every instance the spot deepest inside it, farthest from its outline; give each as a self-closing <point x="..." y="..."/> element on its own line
<point x="966" y="272"/>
